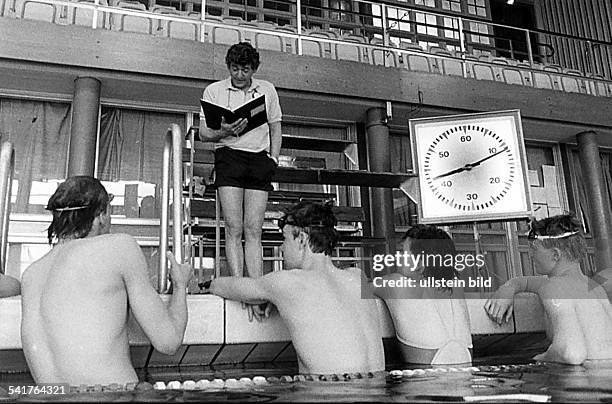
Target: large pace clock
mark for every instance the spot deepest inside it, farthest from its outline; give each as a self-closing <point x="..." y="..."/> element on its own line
<point x="471" y="167"/>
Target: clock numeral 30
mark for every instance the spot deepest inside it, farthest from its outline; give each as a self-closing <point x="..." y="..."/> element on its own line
<point x="471" y="197"/>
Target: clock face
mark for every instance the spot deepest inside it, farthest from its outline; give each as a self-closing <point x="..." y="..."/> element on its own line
<point x="470" y="168"/>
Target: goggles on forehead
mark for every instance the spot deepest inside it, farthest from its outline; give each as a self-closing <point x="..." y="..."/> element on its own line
<point x="282" y="222"/>
<point x="69" y="208"/>
<point x="533" y="235"/>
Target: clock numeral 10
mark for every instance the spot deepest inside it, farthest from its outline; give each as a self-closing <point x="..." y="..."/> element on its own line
<point x="471" y="197"/>
<point x="492" y="150"/>
<point x="446" y="184"/>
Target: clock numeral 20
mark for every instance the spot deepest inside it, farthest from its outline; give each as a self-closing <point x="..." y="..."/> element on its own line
<point x="471" y="197"/>
<point x="494" y="180"/>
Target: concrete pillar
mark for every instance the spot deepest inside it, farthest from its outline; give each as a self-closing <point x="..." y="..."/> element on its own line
<point x="381" y="199"/>
<point x="84" y="126"/>
<point x="598" y="201"/>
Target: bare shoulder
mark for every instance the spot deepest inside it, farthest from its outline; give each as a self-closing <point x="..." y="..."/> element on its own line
<point x="284" y="277"/>
<point x="352" y="272"/>
<point x="118" y="242"/>
<point x="556" y="288"/>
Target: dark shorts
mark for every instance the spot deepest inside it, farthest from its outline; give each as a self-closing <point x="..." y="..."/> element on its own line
<point x="242" y="169"/>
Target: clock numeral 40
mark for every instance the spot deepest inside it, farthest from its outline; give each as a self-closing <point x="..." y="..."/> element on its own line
<point x="447" y="184"/>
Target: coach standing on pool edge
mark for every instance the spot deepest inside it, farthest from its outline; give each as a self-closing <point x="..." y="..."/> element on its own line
<point x="244" y="162"/>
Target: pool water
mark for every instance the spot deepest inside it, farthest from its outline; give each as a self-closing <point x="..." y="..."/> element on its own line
<point x="514" y="382"/>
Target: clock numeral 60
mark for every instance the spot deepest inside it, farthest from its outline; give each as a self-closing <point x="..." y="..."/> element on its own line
<point x="471" y="197"/>
<point x="465" y="138"/>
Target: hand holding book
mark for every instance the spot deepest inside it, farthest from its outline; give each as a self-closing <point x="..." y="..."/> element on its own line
<point x="245" y="118"/>
<point x="235" y="128"/>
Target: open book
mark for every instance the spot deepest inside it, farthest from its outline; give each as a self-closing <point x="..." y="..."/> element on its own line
<point x="254" y="111"/>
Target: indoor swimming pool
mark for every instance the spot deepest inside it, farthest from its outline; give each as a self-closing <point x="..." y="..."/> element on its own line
<point x="518" y="381"/>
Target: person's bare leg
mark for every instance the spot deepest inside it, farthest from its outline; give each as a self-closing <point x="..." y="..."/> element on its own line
<point x="255" y="202"/>
<point x="231" y="199"/>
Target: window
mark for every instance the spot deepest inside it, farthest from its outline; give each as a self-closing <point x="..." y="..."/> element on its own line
<point x="276" y="5"/>
<point x="427" y="3"/>
<point x="477" y="7"/>
<point x="426" y="24"/>
<point x="214" y="11"/>
<point x="398" y="19"/>
<point x="344" y="14"/>
<point x="453" y="5"/>
<point x="451" y="26"/>
<point x="277" y="20"/>
<point x="482" y="29"/>
<point x="312" y="8"/>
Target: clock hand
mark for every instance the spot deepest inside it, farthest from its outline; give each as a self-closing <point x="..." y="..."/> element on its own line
<point x="477" y="163"/>
<point x="469" y="166"/>
<point x="455" y="171"/>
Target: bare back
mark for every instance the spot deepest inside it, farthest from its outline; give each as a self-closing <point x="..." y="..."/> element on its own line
<point x="75" y="311"/>
<point x="333" y="329"/>
<point x="583" y="315"/>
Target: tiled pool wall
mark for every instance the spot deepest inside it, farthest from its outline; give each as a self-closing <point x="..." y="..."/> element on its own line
<point x="219" y="336"/>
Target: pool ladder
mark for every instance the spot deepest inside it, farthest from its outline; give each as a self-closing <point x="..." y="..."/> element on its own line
<point x="173" y="146"/>
<point x="7" y="167"/>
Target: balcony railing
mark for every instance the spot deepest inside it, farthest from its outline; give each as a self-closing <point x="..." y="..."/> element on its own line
<point x="380" y="34"/>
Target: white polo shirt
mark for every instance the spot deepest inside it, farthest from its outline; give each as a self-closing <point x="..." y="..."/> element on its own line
<point x="225" y="94"/>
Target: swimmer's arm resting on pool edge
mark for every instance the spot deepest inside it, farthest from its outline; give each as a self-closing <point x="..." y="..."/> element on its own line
<point x="499" y="306"/>
<point x="250" y="290"/>
<point x="163" y="324"/>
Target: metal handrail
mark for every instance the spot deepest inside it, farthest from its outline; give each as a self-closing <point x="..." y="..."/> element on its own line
<point x="7" y="166"/>
<point x="172" y="147"/>
<point x="299" y="36"/>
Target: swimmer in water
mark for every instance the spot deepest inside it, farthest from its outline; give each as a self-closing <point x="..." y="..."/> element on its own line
<point x="578" y="314"/>
<point x="432" y="324"/>
<point x="76" y="298"/>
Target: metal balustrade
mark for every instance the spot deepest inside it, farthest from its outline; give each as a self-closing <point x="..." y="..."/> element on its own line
<point x="171" y="159"/>
<point x="461" y="32"/>
<point x="7" y="168"/>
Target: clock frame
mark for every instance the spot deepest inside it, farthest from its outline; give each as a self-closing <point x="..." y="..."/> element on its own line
<point x="470" y="167"/>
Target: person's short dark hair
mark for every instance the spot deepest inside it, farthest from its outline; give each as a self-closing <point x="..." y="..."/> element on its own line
<point x="75" y="204"/>
<point x="318" y="221"/>
<point x="242" y="54"/>
<point x="437" y="249"/>
<point x="561" y="231"/>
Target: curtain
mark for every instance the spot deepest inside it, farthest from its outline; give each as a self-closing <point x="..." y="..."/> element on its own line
<point x="40" y="134"/>
<point x="132" y="143"/>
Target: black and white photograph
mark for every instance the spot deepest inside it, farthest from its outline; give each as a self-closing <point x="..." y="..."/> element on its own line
<point x="306" y="200"/>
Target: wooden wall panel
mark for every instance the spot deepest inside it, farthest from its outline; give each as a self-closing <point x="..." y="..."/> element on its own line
<point x="589" y="19"/>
